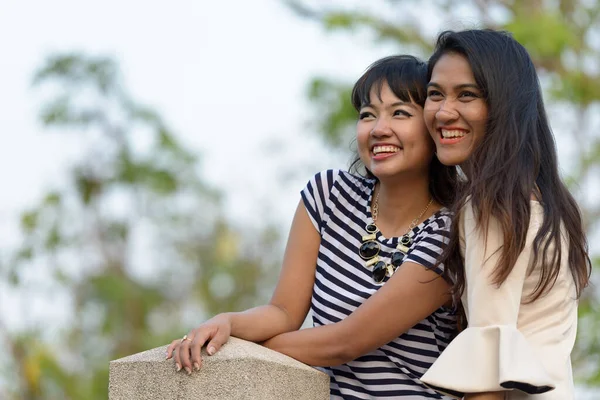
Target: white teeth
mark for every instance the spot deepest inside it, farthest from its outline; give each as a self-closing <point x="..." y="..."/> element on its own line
<point x="452" y="134"/>
<point x="385" y="149"/>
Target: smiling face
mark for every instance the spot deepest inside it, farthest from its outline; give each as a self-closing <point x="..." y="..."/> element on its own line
<point x="392" y="137"/>
<point x="455" y="110"/>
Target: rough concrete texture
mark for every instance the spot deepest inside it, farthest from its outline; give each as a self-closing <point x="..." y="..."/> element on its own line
<point x="240" y="370"/>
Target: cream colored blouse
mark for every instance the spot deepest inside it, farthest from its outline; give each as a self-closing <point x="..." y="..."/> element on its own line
<point x="510" y="345"/>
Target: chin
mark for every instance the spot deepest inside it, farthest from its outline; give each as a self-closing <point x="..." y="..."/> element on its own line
<point x="450" y="159"/>
<point x="383" y="174"/>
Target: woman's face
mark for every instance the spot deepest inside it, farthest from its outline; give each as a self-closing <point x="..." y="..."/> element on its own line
<point x="455" y="110"/>
<point x="392" y="137"/>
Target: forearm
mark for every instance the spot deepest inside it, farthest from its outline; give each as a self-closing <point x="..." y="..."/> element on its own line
<point x="291" y="300"/>
<point x="321" y="346"/>
<point x="344" y="341"/>
<point x="485" y="396"/>
<point x="260" y="323"/>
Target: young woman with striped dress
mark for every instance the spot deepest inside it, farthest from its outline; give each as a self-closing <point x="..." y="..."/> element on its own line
<point x="361" y="255"/>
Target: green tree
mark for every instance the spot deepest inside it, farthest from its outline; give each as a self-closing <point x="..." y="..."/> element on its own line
<point x="134" y="238"/>
<point x="561" y="37"/>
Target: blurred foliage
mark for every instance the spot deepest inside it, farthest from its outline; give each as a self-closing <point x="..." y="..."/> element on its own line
<point x="138" y="241"/>
<point x="335" y="98"/>
<point x="563" y="39"/>
<point x="134" y="237"/>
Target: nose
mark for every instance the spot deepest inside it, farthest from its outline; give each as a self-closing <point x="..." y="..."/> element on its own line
<point x="446" y="113"/>
<point x="382" y="128"/>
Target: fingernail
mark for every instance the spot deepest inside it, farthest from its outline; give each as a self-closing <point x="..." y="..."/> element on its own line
<point x="188" y="370"/>
<point x="178" y="367"/>
<point x="196" y="367"/>
<point x="166" y="354"/>
<point x="211" y="351"/>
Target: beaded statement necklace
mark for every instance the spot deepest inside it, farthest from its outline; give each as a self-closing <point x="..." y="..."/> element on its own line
<point x="369" y="250"/>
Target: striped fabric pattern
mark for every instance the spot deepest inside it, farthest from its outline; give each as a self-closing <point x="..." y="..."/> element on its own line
<point x="338" y="205"/>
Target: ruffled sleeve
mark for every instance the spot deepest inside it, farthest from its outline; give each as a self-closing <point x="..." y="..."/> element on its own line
<point x="491" y="354"/>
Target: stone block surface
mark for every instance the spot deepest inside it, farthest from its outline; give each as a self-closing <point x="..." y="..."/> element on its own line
<point x="240" y="370"/>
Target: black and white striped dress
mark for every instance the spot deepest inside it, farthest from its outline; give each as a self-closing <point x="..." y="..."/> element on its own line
<point x="338" y="205"/>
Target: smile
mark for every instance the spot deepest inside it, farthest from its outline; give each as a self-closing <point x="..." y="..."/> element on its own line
<point x="385" y="149"/>
<point x="446" y="134"/>
<point x="451" y="136"/>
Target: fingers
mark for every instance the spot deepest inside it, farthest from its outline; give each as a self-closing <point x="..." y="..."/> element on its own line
<point x="184" y="353"/>
<point x="171" y="348"/>
<point x="200" y="338"/>
<point x="187" y="351"/>
<point x="218" y="340"/>
<point x="176" y="355"/>
<point x="195" y="348"/>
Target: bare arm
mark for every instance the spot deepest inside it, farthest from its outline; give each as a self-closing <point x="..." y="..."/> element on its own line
<point x="285" y="312"/>
<point x="409" y="296"/>
<point x="291" y="300"/>
<point x="485" y="396"/>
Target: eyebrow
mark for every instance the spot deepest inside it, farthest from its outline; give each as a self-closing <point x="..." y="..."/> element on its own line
<point x="461" y="86"/>
<point x="396" y="104"/>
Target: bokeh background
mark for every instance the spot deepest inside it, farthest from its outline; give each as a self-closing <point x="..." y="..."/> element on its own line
<point x="152" y="155"/>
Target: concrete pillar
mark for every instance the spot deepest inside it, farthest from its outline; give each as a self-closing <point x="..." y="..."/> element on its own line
<point x="240" y="370"/>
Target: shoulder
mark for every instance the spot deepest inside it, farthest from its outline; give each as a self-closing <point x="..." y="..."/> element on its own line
<point x="443" y="217"/>
<point x="430" y="241"/>
<point x="330" y="178"/>
<point x="435" y="230"/>
<point x="439" y="222"/>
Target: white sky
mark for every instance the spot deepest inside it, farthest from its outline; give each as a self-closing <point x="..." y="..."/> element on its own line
<point x="229" y="76"/>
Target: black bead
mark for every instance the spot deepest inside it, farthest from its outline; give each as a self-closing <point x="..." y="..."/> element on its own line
<point x="372" y="228"/>
<point x="406" y="240"/>
<point x="397" y="259"/>
<point x="379" y="272"/>
<point x="368" y="249"/>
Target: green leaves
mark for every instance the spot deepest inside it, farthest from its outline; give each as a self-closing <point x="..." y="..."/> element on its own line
<point x="576" y="87"/>
<point x="134" y="236"/>
<point x="145" y="173"/>
<point x="336" y="20"/>
<point x="52" y="199"/>
<point x="544" y="33"/>
<point x="29" y="221"/>
<point x="87" y="185"/>
<point x="75" y="70"/>
<point x="336" y="115"/>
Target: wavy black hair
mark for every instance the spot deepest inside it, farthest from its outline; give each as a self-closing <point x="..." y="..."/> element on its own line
<point x="516" y="158"/>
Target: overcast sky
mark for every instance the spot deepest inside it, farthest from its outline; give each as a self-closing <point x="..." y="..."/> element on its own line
<point x="229" y="77"/>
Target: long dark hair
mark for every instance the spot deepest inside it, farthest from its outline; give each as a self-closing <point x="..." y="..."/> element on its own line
<point x="407" y="78"/>
<point x="515" y="159"/>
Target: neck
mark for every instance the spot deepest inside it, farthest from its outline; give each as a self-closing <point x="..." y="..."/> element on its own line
<point x="400" y="202"/>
